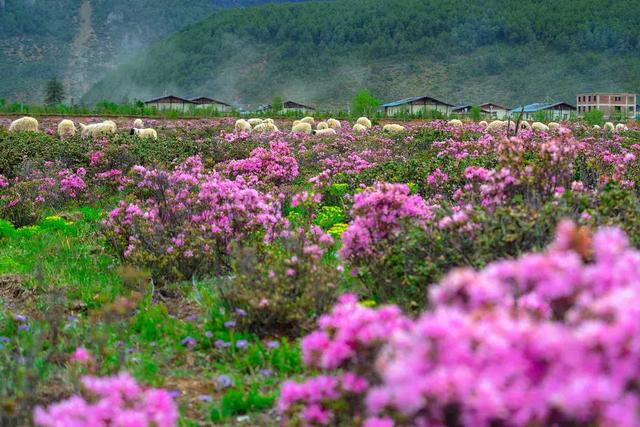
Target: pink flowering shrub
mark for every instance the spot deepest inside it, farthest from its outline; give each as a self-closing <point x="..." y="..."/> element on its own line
<point x="550" y="338"/>
<point x="23" y="198"/>
<point x="379" y="214"/>
<point x="275" y="165"/>
<point x="184" y="222"/>
<point x="111" y="401"/>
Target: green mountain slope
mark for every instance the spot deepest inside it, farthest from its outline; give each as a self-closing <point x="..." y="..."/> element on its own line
<point x="81" y="40"/>
<point x="506" y="51"/>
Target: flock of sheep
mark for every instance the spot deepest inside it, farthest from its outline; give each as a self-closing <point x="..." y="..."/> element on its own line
<point x="67" y="129"/>
<point x="499" y="125"/>
<point x="306" y="125"/>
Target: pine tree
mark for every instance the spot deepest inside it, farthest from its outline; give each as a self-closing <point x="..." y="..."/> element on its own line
<point x="55" y="92"/>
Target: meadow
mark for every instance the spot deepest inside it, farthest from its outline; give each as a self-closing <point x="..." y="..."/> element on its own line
<point x="440" y="276"/>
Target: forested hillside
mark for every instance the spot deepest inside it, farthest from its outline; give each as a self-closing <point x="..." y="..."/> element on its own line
<point x="321" y="52"/>
<point x="79" y="40"/>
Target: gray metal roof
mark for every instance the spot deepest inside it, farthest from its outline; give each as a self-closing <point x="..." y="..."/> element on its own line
<point x="413" y="99"/>
<point x="540" y="106"/>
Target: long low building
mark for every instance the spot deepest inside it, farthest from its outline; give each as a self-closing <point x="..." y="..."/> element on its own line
<point x="171" y="102"/>
<point x="496" y="111"/>
<point x="204" y="102"/>
<point x="292" y="106"/>
<point x="416" y="105"/>
<point x="551" y="110"/>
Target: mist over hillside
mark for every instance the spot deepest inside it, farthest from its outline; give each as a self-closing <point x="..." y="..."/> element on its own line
<point x="81" y="40"/>
<point x="321" y="53"/>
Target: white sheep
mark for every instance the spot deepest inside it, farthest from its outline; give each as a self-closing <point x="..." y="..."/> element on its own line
<point x="540" y="127"/>
<point x="254" y="122"/>
<point x="309" y="120"/>
<point x="268" y="121"/>
<point x="455" y="123"/>
<point x="393" y="128"/>
<point x="363" y="121"/>
<point x="597" y="127"/>
<point x="608" y="127"/>
<point x="496" y="126"/>
<point x="359" y="128"/>
<point x="112" y="125"/>
<point x="138" y="124"/>
<point x="242" y="125"/>
<point x="483" y="124"/>
<point x="295" y="122"/>
<point x="25" y="124"/>
<point x="553" y="126"/>
<point x="145" y="133"/>
<point x="265" y="127"/>
<point x="621" y="127"/>
<point x="66" y="129"/>
<point x="325" y="132"/>
<point x="322" y="125"/>
<point x="302" y="127"/>
<point x="334" y="124"/>
<point x="96" y="129"/>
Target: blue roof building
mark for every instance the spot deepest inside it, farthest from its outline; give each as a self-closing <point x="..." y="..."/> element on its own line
<point x="552" y="110"/>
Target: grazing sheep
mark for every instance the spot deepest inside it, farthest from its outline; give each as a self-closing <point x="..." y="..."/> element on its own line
<point x="145" y="133"/>
<point x="254" y="122"/>
<point x="483" y="124"/>
<point x="553" y="126"/>
<point x="309" y="120"/>
<point x="66" y="129"/>
<point x="608" y="127"/>
<point x="360" y="128"/>
<point x="25" y="124"/>
<point x="295" y="122"/>
<point x="540" y="127"/>
<point x="596" y="127"/>
<point x="496" y="126"/>
<point x="363" y="121"/>
<point x="112" y="125"/>
<point x="455" y="123"/>
<point x="322" y="125"/>
<point x="265" y="127"/>
<point x="302" y="127"/>
<point x="525" y="125"/>
<point x="334" y="124"/>
<point x="242" y="125"/>
<point x="621" y="127"/>
<point x="393" y="128"/>
<point x="324" y="132"/>
<point x="268" y="121"/>
<point x="97" y="129"/>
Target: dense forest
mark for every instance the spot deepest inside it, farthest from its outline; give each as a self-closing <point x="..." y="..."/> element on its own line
<point x="79" y="40"/>
<point x="321" y="52"/>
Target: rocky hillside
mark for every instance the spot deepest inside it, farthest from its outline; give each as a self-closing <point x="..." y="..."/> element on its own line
<point x="81" y="40"/>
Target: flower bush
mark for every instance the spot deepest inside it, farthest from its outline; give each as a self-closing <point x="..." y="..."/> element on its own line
<point x="183" y="222"/>
<point x="111" y="401"/>
<point x="514" y="344"/>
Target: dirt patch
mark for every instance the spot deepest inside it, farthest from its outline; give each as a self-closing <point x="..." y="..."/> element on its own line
<point x="191" y="391"/>
<point x="15" y="295"/>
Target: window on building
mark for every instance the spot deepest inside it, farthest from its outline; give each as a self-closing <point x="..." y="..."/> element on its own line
<point x="618" y="98"/>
